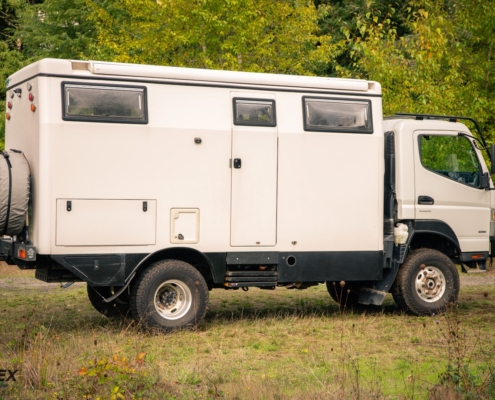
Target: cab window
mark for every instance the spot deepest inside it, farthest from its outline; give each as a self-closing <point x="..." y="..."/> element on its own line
<point x="452" y="157"/>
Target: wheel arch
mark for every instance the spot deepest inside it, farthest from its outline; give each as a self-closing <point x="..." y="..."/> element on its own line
<point x="191" y="256"/>
<point x="433" y="234"/>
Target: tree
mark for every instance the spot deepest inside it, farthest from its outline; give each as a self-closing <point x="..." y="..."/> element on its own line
<point x="340" y="18"/>
<point x="430" y="70"/>
<point x="248" y="35"/>
<point x="10" y="58"/>
<point x="57" y="29"/>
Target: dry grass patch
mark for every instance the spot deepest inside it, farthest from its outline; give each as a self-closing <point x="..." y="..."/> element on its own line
<point x="261" y="344"/>
<point x="12" y="271"/>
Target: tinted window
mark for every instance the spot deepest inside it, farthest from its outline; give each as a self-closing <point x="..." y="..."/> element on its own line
<point x="335" y="115"/>
<point x="104" y="103"/>
<point x="254" y="112"/>
<point x="452" y="157"/>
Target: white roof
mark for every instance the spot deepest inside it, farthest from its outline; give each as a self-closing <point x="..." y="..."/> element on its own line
<point x="192" y="75"/>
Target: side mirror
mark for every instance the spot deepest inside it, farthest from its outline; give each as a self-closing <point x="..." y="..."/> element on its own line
<point x="484" y="180"/>
<point x="492" y="158"/>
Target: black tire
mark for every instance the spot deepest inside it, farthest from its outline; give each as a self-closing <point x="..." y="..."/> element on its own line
<point x="427" y="283"/>
<point x="169" y="295"/>
<point x="346" y="296"/>
<point x="119" y="307"/>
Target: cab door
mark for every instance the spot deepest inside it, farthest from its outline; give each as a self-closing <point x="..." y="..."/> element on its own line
<point x="447" y="187"/>
<point x="254" y="170"/>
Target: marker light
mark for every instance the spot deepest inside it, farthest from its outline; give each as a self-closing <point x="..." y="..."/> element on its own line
<point x="9" y="105"/>
<point x="7" y="116"/>
<point x="31" y="97"/>
<point x="33" y="107"/>
<point x="21" y="253"/>
<point x="29" y="86"/>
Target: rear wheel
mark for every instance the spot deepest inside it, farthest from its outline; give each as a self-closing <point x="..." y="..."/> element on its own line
<point x="346" y="294"/>
<point x="116" y="308"/>
<point x="170" y="295"/>
<point x="426" y="283"/>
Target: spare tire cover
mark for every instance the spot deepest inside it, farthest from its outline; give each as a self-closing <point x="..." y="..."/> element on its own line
<point x="15" y="182"/>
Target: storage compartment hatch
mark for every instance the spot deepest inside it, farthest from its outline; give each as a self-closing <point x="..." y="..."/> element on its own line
<point x="82" y="222"/>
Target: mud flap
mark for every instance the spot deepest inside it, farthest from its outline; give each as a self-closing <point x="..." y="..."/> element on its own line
<point x="376" y="295"/>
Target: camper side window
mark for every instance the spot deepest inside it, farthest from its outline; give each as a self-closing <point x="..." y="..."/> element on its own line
<point x="254" y="112"/>
<point x="337" y="115"/>
<point x="103" y="103"/>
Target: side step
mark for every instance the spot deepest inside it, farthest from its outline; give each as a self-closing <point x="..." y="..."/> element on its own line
<point x="251" y="276"/>
<point x="249" y="284"/>
<point x="252" y="273"/>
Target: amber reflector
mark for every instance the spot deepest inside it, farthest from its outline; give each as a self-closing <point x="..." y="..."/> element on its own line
<point x="7" y="116"/>
<point x="33" y="107"/>
<point x="21" y="253"/>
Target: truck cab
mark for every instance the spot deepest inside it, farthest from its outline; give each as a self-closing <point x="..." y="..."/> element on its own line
<point x="442" y="186"/>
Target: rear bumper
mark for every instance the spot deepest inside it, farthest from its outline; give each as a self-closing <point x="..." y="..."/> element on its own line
<point x="20" y="254"/>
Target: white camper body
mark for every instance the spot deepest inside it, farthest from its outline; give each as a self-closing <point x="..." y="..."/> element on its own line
<point x="246" y="179"/>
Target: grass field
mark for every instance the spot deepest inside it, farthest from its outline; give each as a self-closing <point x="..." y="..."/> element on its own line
<point x="281" y="344"/>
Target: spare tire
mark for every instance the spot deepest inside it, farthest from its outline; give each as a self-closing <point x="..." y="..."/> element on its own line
<point x="15" y="183"/>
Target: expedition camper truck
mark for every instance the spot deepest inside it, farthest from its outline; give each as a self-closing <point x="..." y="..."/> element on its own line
<point x="157" y="184"/>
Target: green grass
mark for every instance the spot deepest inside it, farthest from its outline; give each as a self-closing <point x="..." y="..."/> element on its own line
<point x="280" y="344"/>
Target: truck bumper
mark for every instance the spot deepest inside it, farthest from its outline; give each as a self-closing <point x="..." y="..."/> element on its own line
<point x="20" y="254"/>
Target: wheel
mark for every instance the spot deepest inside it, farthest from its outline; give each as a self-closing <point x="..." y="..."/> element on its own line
<point x="426" y="283"/>
<point x="345" y="296"/>
<point x="117" y="308"/>
<point x="169" y="295"/>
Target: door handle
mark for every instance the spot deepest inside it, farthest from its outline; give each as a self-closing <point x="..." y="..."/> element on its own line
<point x="237" y="163"/>
<point x="427" y="200"/>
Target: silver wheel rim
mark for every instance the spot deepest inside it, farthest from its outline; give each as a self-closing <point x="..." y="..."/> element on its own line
<point x="430" y="284"/>
<point x="173" y="299"/>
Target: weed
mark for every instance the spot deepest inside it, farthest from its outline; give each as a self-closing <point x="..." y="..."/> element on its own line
<point x="470" y="372"/>
<point x="115" y="376"/>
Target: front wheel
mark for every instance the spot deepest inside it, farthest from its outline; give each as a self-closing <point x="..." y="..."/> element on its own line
<point x="426" y="283"/>
<point x="170" y="295"/>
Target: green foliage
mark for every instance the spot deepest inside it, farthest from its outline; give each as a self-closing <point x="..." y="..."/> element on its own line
<point x="56" y="28"/>
<point x="443" y="66"/>
<point x="342" y="19"/>
<point x="10" y="58"/>
<point x="248" y="35"/>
